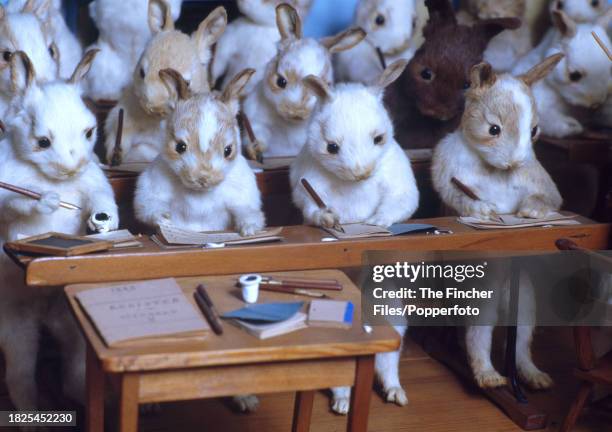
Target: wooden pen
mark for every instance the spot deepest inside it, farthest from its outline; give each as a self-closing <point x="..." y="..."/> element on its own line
<point x="320" y="284"/>
<point x="35" y="195"/>
<point x="208" y="309"/>
<point x="288" y="290"/>
<point x="318" y="201"/>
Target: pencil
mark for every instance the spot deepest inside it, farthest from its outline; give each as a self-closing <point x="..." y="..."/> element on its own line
<point x="602" y="45"/>
<point x="251" y="134"/>
<point x="381" y="58"/>
<point x="318" y="201"/>
<point x="469" y="192"/>
<point x="116" y="158"/>
<point x="287" y="290"/>
<point x="208" y="309"/>
<point x="35" y="195"/>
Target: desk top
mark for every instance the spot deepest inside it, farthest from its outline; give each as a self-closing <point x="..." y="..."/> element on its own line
<point x="302" y="249"/>
<point x="235" y="346"/>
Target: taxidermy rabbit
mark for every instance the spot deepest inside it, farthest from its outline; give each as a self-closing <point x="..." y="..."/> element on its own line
<point x="492" y="154"/>
<point x="580" y="10"/>
<point x="50" y="13"/>
<point x="389" y="25"/>
<point x="48" y="149"/>
<point x="146" y="102"/>
<point x="509" y="46"/>
<point x="251" y="40"/>
<point x="124" y="32"/>
<point x="280" y="106"/>
<point x="426" y="102"/>
<point x="356" y="166"/>
<point x="23" y="31"/>
<point x="200" y="181"/>
<point x="581" y="79"/>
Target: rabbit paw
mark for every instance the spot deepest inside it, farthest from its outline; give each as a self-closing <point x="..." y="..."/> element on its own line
<point x="340" y="405"/>
<point x="397" y="395"/>
<point x="246" y="403"/>
<point x="481" y="209"/>
<point x="490" y="379"/>
<point x="102" y="222"/>
<point x="249" y="228"/>
<point x="380" y="221"/>
<point x="325" y="218"/>
<point x="536" y="379"/>
<point x="568" y="126"/>
<point x="255" y="150"/>
<point x="48" y="203"/>
<point x="534" y="209"/>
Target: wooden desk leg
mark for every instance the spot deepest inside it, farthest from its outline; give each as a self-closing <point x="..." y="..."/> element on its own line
<point x="94" y="411"/>
<point x="128" y="403"/>
<point x="361" y="395"/>
<point x="302" y="411"/>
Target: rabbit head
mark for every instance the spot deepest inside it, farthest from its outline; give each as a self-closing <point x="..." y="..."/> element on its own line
<point x="351" y="129"/>
<point x="439" y="74"/>
<point x="500" y="122"/>
<point x="487" y="9"/>
<point x="580" y="10"/>
<point x="388" y="23"/>
<point x="203" y="138"/>
<point x="583" y="76"/>
<point x="297" y="58"/>
<point x="172" y="49"/>
<point x="51" y="127"/>
<point x="263" y="12"/>
<point x="24" y="31"/>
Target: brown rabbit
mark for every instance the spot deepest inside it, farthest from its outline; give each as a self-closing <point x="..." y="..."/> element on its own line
<point x="427" y="101"/>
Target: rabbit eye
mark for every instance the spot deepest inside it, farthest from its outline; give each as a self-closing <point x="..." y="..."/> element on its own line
<point x="466" y="85"/>
<point x="44" y="143"/>
<point x="379" y="139"/>
<point x="6" y="55"/>
<point x="333" y="148"/>
<point x="281" y="81"/>
<point x="227" y="151"/>
<point x="180" y="147"/>
<point x="534" y="131"/>
<point x="494" y="130"/>
<point x="575" y="76"/>
<point x="142" y="73"/>
<point x="427" y="74"/>
<point x="89" y="132"/>
<point x="595" y="3"/>
<point x="380" y="20"/>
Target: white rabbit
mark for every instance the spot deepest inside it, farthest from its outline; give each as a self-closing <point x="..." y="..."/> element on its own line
<point x="23" y="31"/>
<point x="200" y="181"/>
<point x="580" y="10"/>
<point x="251" y="40"/>
<point x="509" y="46"/>
<point x="146" y="102"/>
<point x="124" y="32"/>
<point x="389" y="25"/>
<point x="50" y="12"/>
<point x="356" y="166"/>
<point x="280" y="106"/>
<point x="492" y="154"/>
<point x="48" y="149"/>
<point x="581" y="79"/>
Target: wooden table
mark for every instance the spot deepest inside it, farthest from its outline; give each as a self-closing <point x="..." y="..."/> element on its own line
<point x="302" y="249"/>
<point x="237" y="363"/>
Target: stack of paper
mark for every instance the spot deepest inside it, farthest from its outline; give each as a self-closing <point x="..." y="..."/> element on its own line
<point x="513" y="221"/>
<point x="173" y="235"/>
<point x="363" y="230"/>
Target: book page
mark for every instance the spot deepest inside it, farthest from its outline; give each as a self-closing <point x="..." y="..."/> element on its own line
<point x="141" y="310"/>
<point x="513" y="221"/>
<point x="177" y="236"/>
<point x="359" y="230"/>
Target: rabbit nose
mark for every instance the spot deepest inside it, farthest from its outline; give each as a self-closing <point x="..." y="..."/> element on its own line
<point x="362" y="173"/>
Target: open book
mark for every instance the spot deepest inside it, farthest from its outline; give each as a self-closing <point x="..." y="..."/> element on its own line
<point x="513" y="221"/>
<point x="143" y="313"/>
<point x="363" y="230"/>
<point x="172" y="235"/>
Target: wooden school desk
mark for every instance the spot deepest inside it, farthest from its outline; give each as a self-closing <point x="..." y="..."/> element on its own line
<point x="302" y="249"/>
<point x="237" y="363"/>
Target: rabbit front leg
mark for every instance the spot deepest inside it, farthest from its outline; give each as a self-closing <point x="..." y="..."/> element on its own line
<point x="101" y="204"/>
<point x="536" y="207"/>
<point x="248" y="220"/>
<point x="23" y="206"/>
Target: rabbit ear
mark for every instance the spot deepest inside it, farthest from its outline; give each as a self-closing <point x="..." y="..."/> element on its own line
<point x="540" y="71"/>
<point x="391" y="74"/>
<point x="84" y="66"/>
<point x="490" y="28"/>
<point x="210" y="30"/>
<point x="441" y="13"/>
<point x="2" y="12"/>
<point x="233" y="90"/>
<point x="175" y="83"/>
<point x="22" y="72"/>
<point x="39" y="8"/>
<point x="605" y="19"/>
<point x="288" y="22"/>
<point x="344" y="41"/>
<point x="565" y="25"/>
<point x="481" y="76"/>
<point x="318" y="87"/>
<point x="160" y="16"/>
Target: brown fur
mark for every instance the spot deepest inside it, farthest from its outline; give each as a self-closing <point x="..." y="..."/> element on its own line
<point x="424" y="112"/>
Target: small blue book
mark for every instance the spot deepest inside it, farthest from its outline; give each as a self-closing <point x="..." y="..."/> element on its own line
<point x="331" y="313"/>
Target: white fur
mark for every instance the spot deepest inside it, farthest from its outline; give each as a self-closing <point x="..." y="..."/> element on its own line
<point x="68" y="171"/>
<point x="124" y="32"/>
<point x="557" y="94"/>
<point x="394" y="38"/>
<point x="146" y="101"/>
<point x="580" y="10"/>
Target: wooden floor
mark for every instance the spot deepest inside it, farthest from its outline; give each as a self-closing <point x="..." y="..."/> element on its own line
<point x="439" y="402"/>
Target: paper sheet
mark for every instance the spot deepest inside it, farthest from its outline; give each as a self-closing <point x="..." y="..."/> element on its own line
<point x="177" y="236"/>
